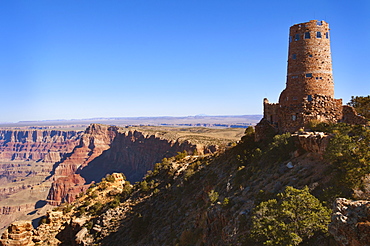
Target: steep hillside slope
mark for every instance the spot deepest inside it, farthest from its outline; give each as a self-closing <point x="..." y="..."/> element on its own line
<point x="192" y="200"/>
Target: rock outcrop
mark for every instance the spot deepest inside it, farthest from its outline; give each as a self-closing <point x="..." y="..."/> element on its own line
<point x="19" y="233"/>
<point x="314" y="142"/>
<point x="350" y="224"/>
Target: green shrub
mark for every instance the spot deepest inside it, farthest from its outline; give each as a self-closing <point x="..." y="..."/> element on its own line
<point x="226" y="202"/>
<point x="144" y="186"/>
<point x="181" y="155"/>
<point x="115" y="202"/>
<point x="96" y="208"/>
<point x="213" y="196"/>
<point x="349" y="153"/>
<point x="295" y="216"/>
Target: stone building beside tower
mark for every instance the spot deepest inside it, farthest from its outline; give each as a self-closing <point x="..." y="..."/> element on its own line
<point x="309" y="92"/>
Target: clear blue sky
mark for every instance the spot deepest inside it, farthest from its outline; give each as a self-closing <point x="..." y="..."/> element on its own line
<point x="85" y="58"/>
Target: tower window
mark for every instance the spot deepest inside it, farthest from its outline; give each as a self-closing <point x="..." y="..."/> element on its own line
<point x="319" y="23"/>
<point x="294" y="117"/>
<point x="327" y="34"/>
<point x="308" y="75"/>
<point x="309" y="98"/>
<point x="296" y="37"/>
<point x="318" y="34"/>
<point x="290" y="39"/>
<point x="295" y="77"/>
<point x="307" y="35"/>
<point x="309" y="55"/>
<point x="294" y="56"/>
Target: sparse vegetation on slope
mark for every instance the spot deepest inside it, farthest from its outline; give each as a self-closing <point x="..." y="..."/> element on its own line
<point x="223" y="198"/>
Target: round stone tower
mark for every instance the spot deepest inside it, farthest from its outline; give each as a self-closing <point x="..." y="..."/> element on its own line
<point x="309" y="94"/>
<point x="309" y="63"/>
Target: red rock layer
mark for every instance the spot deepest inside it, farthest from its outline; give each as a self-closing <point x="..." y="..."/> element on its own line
<point x="36" y="145"/>
<point x="65" y="189"/>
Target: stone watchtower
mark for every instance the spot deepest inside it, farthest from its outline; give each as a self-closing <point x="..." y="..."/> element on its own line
<point x="309" y="92"/>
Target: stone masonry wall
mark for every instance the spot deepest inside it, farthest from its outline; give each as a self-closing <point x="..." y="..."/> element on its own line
<point x="309" y="63"/>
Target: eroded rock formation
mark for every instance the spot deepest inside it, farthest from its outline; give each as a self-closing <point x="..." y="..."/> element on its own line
<point x="106" y="149"/>
<point x="19" y="233"/>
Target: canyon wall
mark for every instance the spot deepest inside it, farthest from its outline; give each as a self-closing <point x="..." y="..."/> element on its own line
<point x="26" y="160"/>
<point x="106" y="149"/>
<point x="27" y="156"/>
<point x="37" y="145"/>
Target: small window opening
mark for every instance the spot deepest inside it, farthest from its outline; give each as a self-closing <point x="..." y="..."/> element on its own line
<point x="294" y="56"/>
<point x="318" y="34"/>
<point x="308" y="75"/>
<point x="317" y="77"/>
<point x="290" y="39"/>
<point x="294" y="117"/>
<point x="309" y="55"/>
<point x="319" y="23"/>
<point x="320" y="77"/>
<point x="295" y="77"/>
<point x="307" y="35"/>
<point x="296" y="37"/>
<point x="327" y="34"/>
<point x="309" y="98"/>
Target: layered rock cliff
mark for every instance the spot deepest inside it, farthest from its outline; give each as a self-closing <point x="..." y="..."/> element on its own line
<point x="37" y="145"/>
<point x="106" y="149"/>
<point x="26" y="159"/>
